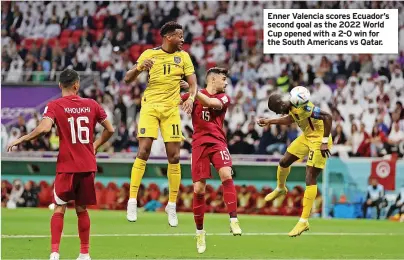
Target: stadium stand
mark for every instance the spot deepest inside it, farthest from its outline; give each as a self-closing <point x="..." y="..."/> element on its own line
<point x="151" y="198"/>
<point x="365" y="93"/>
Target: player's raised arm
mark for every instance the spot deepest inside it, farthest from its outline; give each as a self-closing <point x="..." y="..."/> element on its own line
<point x="209" y="102"/>
<point x="285" y="120"/>
<point x="143" y="63"/>
<point x="327" y="121"/>
<point x="44" y="126"/>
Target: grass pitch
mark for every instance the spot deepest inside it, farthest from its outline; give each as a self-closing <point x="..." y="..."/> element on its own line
<point x="26" y="235"/>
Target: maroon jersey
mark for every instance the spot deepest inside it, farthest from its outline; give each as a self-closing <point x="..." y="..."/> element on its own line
<point x="75" y="118"/>
<point x="208" y="122"/>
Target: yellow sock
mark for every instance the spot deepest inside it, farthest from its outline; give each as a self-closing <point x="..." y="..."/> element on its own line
<point x="136" y="176"/>
<point x="174" y="181"/>
<point x="308" y="199"/>
<point x="282" y="174"/>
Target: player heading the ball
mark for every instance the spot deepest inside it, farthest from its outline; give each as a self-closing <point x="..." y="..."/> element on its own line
<point x="75" y="118"/>
<point x="166" y="66"/>
<point x="209" y="145"/>
<point x="315" y="143"/>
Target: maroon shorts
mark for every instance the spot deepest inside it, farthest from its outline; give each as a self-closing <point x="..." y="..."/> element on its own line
<point x="204" y="155"/>
<point x="74" y="186"/>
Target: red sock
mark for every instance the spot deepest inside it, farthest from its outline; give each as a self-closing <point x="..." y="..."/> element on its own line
<point x="84" y="231"/>
<point x="56" y="230"/>
<point x="199" y="210"/>
<point x="230" y="197"/>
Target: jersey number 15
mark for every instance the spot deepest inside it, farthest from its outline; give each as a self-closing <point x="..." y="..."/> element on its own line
<point x="83" y="132"/>
<point x="206" y="115"/>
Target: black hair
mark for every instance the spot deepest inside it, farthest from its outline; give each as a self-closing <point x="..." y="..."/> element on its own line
<point x="68" y="77"/>
<point x="273" y="98"/>
<point x="217" y="70"/>
<point x="169" y="27"/>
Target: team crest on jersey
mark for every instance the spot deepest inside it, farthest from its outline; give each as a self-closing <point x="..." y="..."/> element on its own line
<point x="225" y="99"/>
<point x="308" y="108"/>
<point x="177" y="59"/>
<point x="142" y="130"/>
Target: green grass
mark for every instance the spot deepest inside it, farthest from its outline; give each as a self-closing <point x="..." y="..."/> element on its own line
<point x="119" y="239"/>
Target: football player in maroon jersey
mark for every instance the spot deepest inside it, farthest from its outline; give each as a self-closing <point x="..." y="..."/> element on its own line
<point x="209" y="146"/>
<point x="75" y="118"/>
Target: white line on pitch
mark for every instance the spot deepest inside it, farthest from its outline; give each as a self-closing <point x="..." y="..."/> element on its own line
<point x="211" y="234"/>
<point x="223" y="259"/>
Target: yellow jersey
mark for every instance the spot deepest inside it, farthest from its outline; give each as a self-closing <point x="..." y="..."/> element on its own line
<point x="163" y="87"/>
<point x="307" y="118"/>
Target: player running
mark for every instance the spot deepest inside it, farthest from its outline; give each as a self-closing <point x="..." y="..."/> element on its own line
<point x="166" y="65"/>
<point x="315" y="143"/>
<point x="75" y="118"/>
<point x="209" y="145"/>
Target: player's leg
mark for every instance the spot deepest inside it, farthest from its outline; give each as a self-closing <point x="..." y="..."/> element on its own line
<point x="315" y="165"/>
<point x="297" y="150"/>
<point x="85" y="195"/>
<point x="198" y="208"/>
<point x="221" y="159"/>
<point x="170" y="125"/>
<point x="61" y="195"/>
<point x="83" y="222"/>
<point x="174" y="180"/>
<point x="147" y="132"/>
<point x="230" y="199"/>
<point x="200" y="170"/>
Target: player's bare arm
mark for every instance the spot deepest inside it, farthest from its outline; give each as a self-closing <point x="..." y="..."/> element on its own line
<point x="205" y="100"/>
<point x="285" y="120"/>
<point x="193" y="88"/>
<point x="106" y="134"/>
<point x="209" y="102"/>
<point x="44" y="127"/>
<point x="327" y="121"/>
<point x="135" y="71"/>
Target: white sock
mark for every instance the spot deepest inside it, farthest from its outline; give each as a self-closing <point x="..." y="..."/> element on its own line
<point x="133" y="200"/>
<point x="172" y="204"/>
<point x="233" y="219"/>
<point x="303" y="220"/>
<point x="200" y="231"/>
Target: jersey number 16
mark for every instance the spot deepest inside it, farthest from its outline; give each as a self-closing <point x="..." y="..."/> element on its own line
<point x="83" y="132"/>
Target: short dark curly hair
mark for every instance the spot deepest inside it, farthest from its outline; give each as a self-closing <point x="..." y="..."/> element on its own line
<point x="169" y="27"/>
<point x="217" y="70"/>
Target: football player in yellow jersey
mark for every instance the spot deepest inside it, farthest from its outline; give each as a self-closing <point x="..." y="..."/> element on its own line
<point x="315" y="142"/>
<point x="166" y="66"/>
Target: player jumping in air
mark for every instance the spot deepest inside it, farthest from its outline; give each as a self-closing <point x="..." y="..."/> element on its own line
<point x="315" y="143"/>
<point x="166" y="66"/>
<point x="75" y="118"/>
<point x="209" y="145"/>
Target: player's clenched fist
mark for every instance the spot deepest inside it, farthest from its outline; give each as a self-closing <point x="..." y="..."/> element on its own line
<point x="263" y="122"/>
<point x="146" y="65"/>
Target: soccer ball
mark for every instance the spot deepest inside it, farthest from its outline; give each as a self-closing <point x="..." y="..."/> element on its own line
<point x="299" y="96"/>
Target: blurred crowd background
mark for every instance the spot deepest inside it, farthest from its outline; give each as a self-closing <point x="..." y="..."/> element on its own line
<point x="364" y="93"/>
